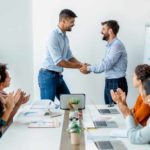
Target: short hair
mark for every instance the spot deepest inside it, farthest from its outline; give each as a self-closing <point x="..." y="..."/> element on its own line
<point x="3" y="74"/>
<point x="146" y="86"/>
<point x="113" y="24"/>
<point x="67" y="13"/>
<point x="142" y="72"/>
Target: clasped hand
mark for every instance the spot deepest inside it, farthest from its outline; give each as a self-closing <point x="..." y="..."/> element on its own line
<point x="83" y="69"/>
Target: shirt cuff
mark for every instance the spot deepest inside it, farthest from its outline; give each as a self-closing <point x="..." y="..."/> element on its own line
<point x="2" y="122"/>
<point x="89" y="68"/>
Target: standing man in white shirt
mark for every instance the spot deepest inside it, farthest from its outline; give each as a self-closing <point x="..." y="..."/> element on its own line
<point x="114" y="63"/>
<point x="58" y="56"/>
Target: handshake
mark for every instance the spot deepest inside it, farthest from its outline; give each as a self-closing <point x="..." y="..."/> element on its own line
<point x="84" y="69"/>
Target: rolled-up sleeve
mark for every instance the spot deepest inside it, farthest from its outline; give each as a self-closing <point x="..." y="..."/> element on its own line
<point x="109" y="61"/>
<point x="54" y="49"/>
<point x="137" y="134"/>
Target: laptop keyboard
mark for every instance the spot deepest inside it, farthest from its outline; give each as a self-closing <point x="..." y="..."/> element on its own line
<point x="108" y="111"/>
<point x="104" y="111"/>
<point x="104" y="145"/>
<point x="100" y="124"/>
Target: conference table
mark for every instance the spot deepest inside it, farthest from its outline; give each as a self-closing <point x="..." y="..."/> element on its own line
<point x="20" y="136"/>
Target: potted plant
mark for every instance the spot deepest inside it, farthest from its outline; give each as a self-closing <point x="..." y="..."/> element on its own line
<point x="74" y="130"/>
<point x="73" y="103"/>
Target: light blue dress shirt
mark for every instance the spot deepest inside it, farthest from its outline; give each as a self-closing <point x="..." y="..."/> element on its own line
<point x="115" y="62"/>
<point x="136" y="133"/>
<point x="57" y="49"/>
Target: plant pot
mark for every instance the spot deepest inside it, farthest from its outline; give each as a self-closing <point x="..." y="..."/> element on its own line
<point x="75" y="106"/>
<point x="75" y="138"/>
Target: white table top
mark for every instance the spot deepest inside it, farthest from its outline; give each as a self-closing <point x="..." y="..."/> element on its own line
<point x="118" y="118"/>
<point x="19" y="136"/>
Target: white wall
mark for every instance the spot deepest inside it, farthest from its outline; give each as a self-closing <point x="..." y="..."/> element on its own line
<point x="147" y="44"/>
<point x="16" y="42"/>
<point x="85" y="39"/>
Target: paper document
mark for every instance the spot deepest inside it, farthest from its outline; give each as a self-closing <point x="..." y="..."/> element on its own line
<point x="119" y="133"/>
<point x="53" y="124"/>
<point x="41" y="104"/>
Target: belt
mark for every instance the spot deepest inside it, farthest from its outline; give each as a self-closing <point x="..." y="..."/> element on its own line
<point x="122" y="78"/>
<point x="51" y="71"/>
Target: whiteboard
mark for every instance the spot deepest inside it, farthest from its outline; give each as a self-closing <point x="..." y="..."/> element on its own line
<point x="147" y="44"/>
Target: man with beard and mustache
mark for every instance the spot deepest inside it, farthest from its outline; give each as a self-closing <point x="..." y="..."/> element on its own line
<point x="58" y="56"/>
<point x="114" y="64"/>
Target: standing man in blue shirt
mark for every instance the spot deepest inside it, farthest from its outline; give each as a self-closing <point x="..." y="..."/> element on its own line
<point x="115" y="62"/>
<point x="58" y="56"/>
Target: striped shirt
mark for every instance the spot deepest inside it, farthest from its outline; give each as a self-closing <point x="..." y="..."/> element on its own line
<point x="115" y="62"/>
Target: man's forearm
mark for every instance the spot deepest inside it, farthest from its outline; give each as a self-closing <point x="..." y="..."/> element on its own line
<point x="74" y="60"/>
<point x="68" y="64"/>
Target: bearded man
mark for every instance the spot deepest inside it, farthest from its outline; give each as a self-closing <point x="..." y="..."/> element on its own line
<point x="114" y="64"/>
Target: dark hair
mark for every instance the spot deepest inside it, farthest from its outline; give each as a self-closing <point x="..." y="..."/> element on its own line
<point x="146" y="86"/>
<point x="113" y="24"/>
<point x="142" y="72"/>
<point x="3" y="74"/>
<point x="67" y="13"/>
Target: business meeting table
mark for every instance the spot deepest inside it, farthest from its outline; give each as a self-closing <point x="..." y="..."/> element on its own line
<point x="29" y="130"/>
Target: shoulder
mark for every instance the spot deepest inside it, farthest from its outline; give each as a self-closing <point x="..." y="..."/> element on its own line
<point x="53" y="35"/>
<point x="118" y="43"/>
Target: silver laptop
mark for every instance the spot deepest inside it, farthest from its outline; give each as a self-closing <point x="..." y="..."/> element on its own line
<point x="105" y="124"/>
<point x="64" y="100"/>
<point x="110" y="145"/>
<point x="108" y="111"/>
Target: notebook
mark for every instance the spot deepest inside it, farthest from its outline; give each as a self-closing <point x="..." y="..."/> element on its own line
<point x="108" y="111"/>
<point x="110" y="145"/>
<point x="105" y="124"/>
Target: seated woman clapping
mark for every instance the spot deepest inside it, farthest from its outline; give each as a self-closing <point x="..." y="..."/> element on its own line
<point x="9" y="102"/>
<point x="137" y="134"/>
<point x="5" y="82"/>
<point x="141" y="110"/>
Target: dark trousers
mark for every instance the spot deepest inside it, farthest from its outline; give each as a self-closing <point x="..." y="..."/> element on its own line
<point x="51" y="84"/>
<point x="113" y="84"/>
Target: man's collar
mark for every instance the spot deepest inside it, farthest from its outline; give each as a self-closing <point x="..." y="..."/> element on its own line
<point x="60" y="31"/>
<point x="110" y="43"/>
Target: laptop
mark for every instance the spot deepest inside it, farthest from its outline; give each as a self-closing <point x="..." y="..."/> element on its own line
<point x="110" y="145"/>
<point x="105" y="124"/>
<point x="108" y="111"/>
<point x="65" y="98"/>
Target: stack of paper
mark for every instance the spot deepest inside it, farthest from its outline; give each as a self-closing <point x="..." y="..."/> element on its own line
<point x="53" y="124"/>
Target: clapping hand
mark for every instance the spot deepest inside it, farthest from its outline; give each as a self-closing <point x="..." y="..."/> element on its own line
<point x="25" y="98"/>
<point x="9" y="101"/>
<point x="17" y="96"/>
<point x="120" y="98"/>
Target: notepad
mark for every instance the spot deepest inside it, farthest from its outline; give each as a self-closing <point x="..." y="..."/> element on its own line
<point x="119" y="133"/>
<point x="52" y="124"/>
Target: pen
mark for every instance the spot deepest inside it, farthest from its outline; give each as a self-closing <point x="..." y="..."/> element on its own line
<point x="90" y="128"/>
